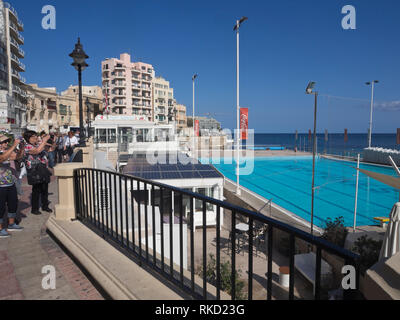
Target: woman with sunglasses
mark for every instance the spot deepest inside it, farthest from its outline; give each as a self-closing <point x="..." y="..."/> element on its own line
<point x="8" y="190"/>
<point x="35" y="156"/>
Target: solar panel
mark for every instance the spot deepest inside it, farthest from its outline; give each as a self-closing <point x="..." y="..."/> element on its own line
<point x="168" y="167"/>
<point x="170" y="175"/>
<point x="138" y="166"/>
<point x="187" y="167"/>
<point x="151" y="175"/>
<point x="209" y="174"/>
<point x="204" y="167"/>
<point x="190" y="175"/>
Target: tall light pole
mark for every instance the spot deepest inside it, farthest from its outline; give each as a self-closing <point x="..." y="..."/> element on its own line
<point x="372" y="107"/>
<point x="80" y="64"/>
<point x="236" y="28"/>
<point x="87" y="103"/>
<point x="309" y="90"/>
<point x="193" y="79"/>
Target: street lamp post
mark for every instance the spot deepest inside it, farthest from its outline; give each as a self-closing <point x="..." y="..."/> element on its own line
<point x="87" y="102"/>
<point x="309" y="90"/>
<point x="236" y="28"/>
<point x="80" y="64"/>
<point x="372" y="106"/>
<point x="193" y="79"/>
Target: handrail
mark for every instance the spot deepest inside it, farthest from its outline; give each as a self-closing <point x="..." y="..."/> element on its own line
<point x="114" y="205"/>
<point x="328" y="246"/>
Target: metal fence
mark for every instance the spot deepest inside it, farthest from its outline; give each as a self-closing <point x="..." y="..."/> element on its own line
<point x="153" y="222"/>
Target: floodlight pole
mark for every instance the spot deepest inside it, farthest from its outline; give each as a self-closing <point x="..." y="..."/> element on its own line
<point x="370" y="119"/>
<point x="356" y="200"/>
<point x="237" y="111"/>
<point x="194" y="130"/>
<point x="313" y="169"/>
<point x="372" y="107"/>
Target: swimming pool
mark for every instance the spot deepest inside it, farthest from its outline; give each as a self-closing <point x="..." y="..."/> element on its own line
<point x="287" y="181"/>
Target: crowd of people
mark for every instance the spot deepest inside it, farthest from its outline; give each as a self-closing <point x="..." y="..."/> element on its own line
<point x="33" y="155"/>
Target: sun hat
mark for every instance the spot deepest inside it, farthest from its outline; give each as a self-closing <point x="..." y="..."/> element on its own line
<point x="3" y="138"/>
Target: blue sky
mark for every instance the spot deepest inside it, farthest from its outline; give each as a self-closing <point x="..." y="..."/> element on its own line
<point x="284" y="45"/>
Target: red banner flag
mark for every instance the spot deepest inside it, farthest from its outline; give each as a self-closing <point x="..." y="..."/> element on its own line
<point x="398" y="136"/>
<point x="197" y="128"/>
<point x="346" y="138"/>
<point x="244" y="123"/>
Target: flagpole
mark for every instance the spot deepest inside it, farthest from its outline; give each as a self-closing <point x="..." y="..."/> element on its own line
<point x="355" y="205"/>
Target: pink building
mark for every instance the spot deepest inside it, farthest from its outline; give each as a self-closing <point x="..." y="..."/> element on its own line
<point x="127" y="86"/>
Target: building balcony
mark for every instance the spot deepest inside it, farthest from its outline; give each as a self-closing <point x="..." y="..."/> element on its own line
<point x="119" y="75"/>
<point x="146" y="97"/>
<point x="146" y="79"/>
<point x="17" y="63"/>
<point x="119" y="85"/>
<point x="14" y="32"/>
<point x="16" y="75"/>
<point x="16" y="48"/>
<point x="12" y="11"/>
<point x="146" y="88"/>
<point x="20" y="25"/>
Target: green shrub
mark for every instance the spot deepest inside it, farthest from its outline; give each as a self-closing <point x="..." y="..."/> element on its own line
<point x="369" y="250"/>
<point x="335" y="231"/>
<point x="225" y="269"/>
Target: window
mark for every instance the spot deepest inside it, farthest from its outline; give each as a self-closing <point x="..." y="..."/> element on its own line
<point x="208" y="192"/>
<point x="126" y="135"/>
<point x="101" y="135"/>
<point x="112" y="137"/>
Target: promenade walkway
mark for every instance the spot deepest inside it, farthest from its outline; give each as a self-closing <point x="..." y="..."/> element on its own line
<point x="24" y="254"/>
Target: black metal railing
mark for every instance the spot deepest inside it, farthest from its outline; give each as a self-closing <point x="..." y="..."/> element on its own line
<point x="122" y="209"/>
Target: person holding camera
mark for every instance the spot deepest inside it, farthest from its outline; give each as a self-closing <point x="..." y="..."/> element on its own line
<point x="59" y="148"/>
<point x="8" y="190"/>
<point x="37" y="163"/>
<point x="51" y="150"/>
<point x="70" y="143"/>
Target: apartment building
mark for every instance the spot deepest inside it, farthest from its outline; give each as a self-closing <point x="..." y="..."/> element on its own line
<point x="47" y="110"/>
<point x="181" y="120"/>
<point x="13" y="96"/>
<point x="41" y="108"/>
<point x="68" y="106"/>
<point x="127" y="86"/>
<point x="163" y="101"/>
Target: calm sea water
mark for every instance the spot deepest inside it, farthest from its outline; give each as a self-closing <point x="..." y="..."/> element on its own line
<point x="335" y="144"/>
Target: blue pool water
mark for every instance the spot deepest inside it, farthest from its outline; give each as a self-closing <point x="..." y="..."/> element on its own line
<point x="287" y="180"/>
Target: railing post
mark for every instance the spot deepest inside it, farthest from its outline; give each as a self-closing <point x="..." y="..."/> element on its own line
<point x="65" y="209"/>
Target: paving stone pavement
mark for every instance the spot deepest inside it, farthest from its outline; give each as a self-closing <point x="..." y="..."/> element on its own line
<point x="24" y="254"/>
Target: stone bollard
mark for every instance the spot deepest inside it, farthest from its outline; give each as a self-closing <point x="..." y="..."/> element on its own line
<point x="65" y="209"/>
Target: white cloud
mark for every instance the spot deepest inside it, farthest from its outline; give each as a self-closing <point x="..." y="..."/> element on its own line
<point x="388" y="106"/>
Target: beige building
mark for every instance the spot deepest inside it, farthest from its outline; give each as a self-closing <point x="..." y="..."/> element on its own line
<point x="181" y="120"/>
<point x="47" y="110"/>
<point x="41" y="108"/>
<point x="68" y="106"/>
<point x="163" y="101"/>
